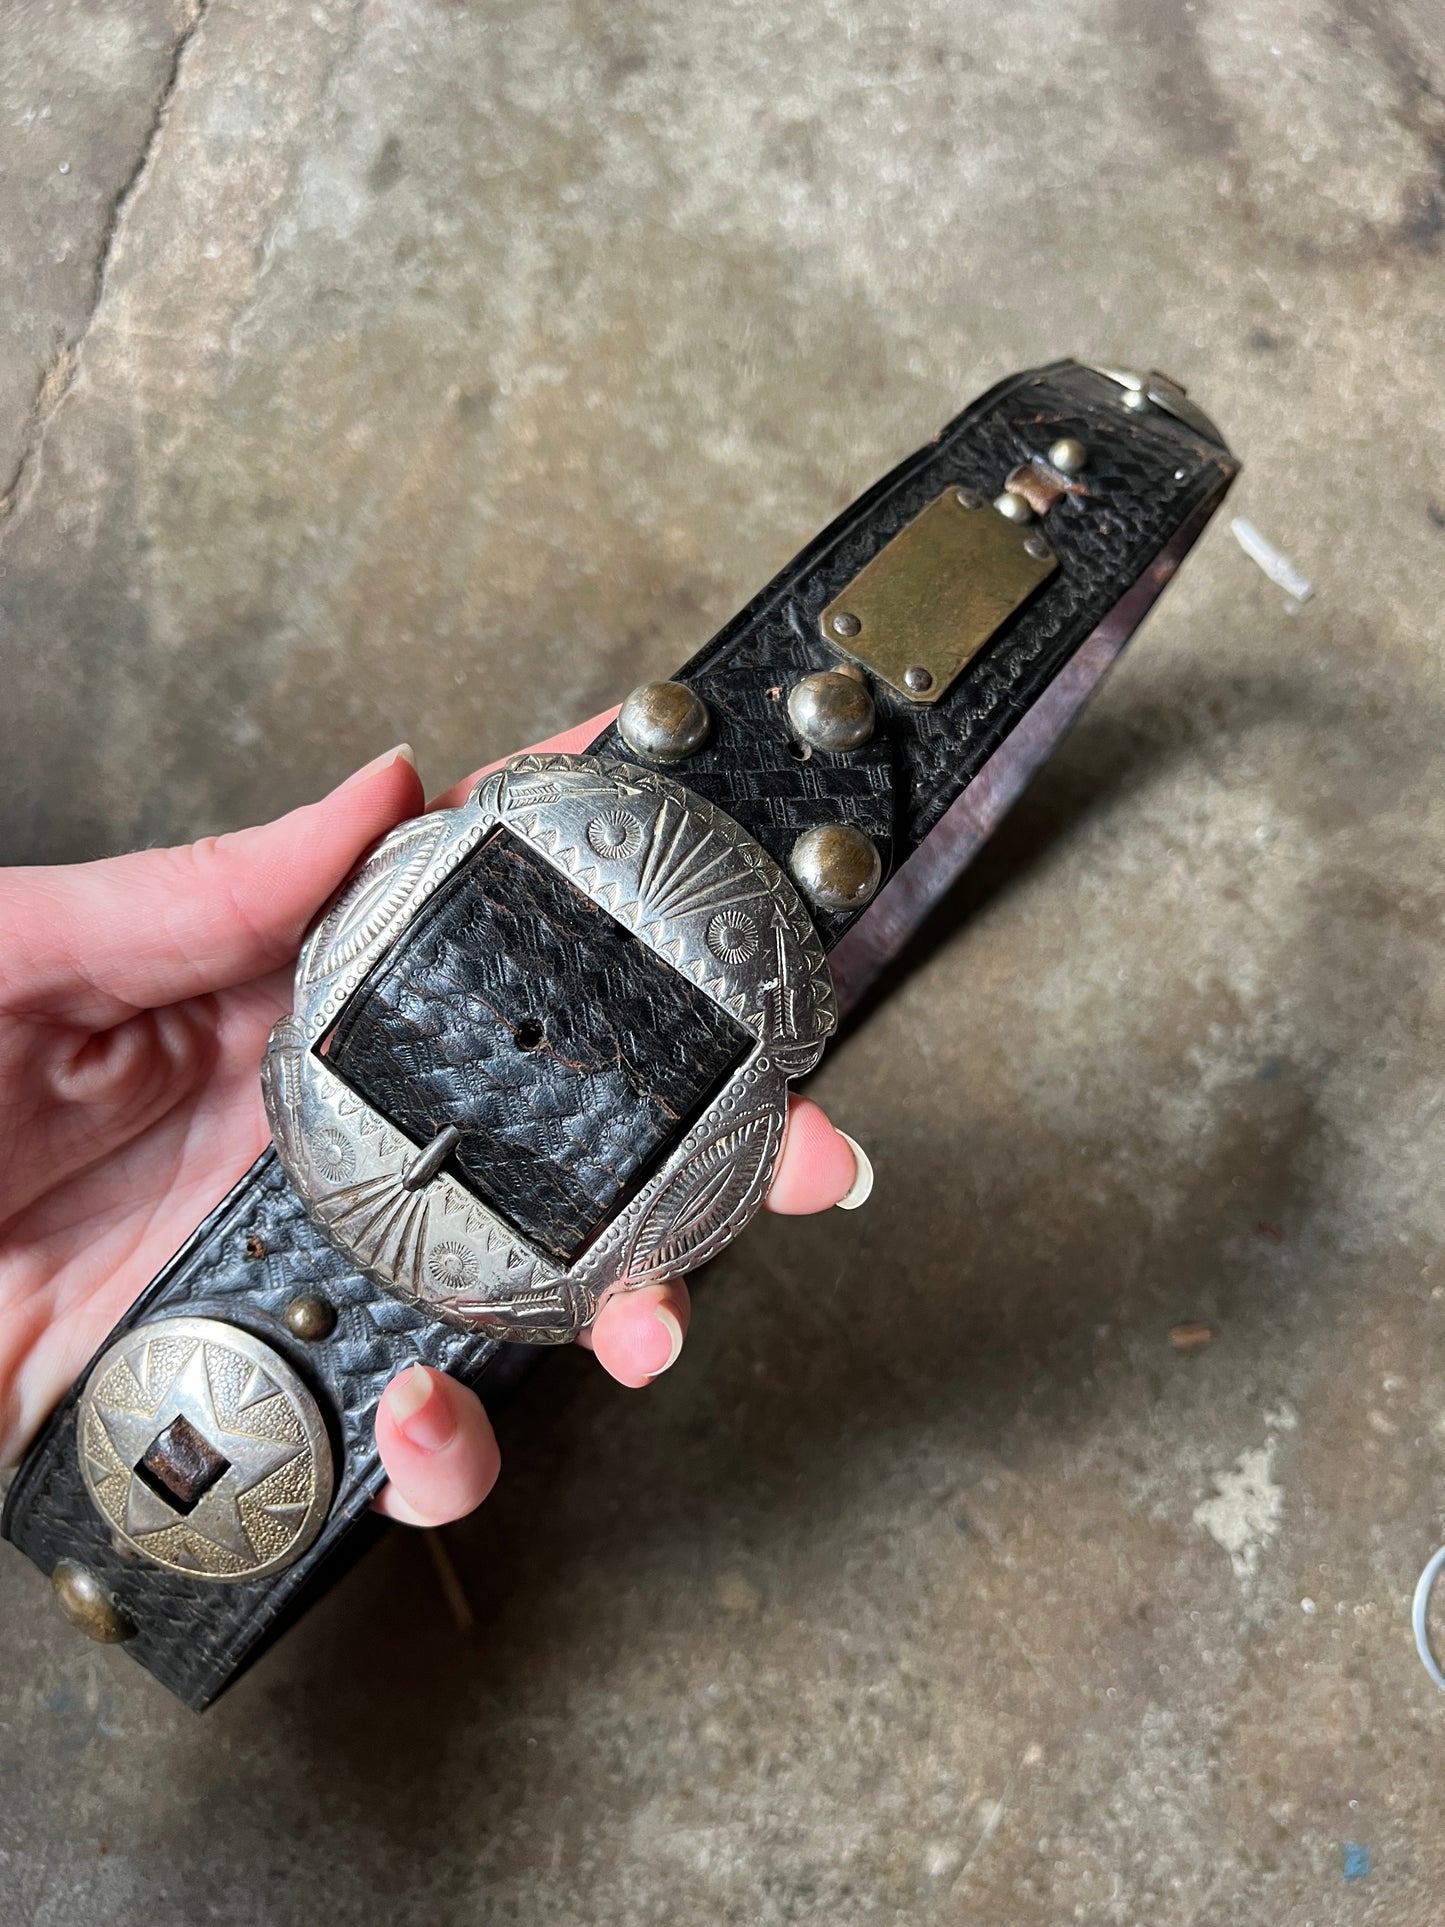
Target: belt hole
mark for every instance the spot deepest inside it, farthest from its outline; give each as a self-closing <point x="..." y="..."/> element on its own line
<point x="529" y="1034"/>
<point x="800" y="752"/>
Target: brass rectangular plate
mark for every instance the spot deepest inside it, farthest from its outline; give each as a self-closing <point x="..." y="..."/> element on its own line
<point x="907" y="900"/>
<point x="934" y="595"/>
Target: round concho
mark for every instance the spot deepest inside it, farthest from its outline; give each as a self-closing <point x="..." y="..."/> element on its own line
<point x="732" y="936"/>
<point x="334" y="1155"/>
<point x="203" y="1451"/>
<point x="452" y="1266"/>
<point x="616" y="833"/>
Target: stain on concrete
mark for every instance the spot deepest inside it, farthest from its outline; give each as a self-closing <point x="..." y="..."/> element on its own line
<point x="1247" y="1508"/>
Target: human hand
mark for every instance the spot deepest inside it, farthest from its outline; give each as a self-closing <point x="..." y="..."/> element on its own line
<point x="136" y="997"/>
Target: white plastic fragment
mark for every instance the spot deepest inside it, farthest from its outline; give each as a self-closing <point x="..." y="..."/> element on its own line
<point x="1276" y="565"/>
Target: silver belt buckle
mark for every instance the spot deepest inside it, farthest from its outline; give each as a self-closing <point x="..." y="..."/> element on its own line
<point x="689" y="883"/>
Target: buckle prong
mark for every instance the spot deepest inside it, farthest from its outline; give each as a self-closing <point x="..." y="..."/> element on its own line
<point x="431" y="1160"/>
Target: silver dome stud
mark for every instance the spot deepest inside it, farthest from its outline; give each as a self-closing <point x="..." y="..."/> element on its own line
<point x="664" y="722"/>
<point x="838" y="867"/>
<point x="831" y="710"/>
<point x="1068" y="456"/>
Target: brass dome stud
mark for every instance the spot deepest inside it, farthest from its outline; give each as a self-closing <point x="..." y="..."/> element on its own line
<point x="89" y="1605"/>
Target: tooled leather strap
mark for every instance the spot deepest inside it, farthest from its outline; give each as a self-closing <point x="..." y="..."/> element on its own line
<point x="256" y="1255"/>
<point x="415" y="1033"/>
<point x="555" y="1139"/>
<point x="1147" y="474"/>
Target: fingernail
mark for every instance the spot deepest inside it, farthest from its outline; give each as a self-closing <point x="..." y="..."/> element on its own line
<point x="402" y="753"/>
<point x="422" y="1411"/>
<point x="667" y="1318"/>
<point x="859" y="1190"/>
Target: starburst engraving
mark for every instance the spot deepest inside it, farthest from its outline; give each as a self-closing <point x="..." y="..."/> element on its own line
<point x="688" y="868"/>
<point x="732" y="936"/>
<point x="334" y="1155"/>
<point x="383" y="1225"/>
<point x="616" y="833"/>
<point x="451" y="1266"/>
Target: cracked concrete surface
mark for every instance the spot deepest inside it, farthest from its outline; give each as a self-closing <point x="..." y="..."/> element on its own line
<point x="400" y="369"/>
<point x="75" y="91"/>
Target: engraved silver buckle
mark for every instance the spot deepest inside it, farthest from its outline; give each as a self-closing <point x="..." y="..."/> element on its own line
<point x="693" y="886"/>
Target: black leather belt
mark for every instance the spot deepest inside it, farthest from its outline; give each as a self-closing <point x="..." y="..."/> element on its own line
<point x="542" y="1043"/>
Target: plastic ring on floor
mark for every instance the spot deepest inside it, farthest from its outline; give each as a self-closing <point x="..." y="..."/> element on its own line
<point x="1424" y="1586"/>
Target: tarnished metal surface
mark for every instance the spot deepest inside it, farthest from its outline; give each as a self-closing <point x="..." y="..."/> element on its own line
<point x="837" y="866"/>
<point x="664" y="722"/>
<point x="88" y="1605"/>
<point x="931" y="598"/>
<point x="915" y="890"/>
<point x="248" y="1489"/>
<point x="1162" y="391"/>
<point x="831" y="711"/>
<point x="693" y="887"/>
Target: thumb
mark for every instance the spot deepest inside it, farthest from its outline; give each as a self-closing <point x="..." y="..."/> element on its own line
<point x="98" y="941"/>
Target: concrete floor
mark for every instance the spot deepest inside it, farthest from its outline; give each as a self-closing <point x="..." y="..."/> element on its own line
<point x="394" y="368"/>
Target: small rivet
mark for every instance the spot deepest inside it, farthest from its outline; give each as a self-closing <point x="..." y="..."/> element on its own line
<point x="1037" y="547"/>
<point x="968" y="498"/>
<point x="838" y="866"/>
<point x="87" y="1604"/>
<point x="310" y="1319"/>
<point x="845" y="624"/>
<point x="1013" y="505"/>
<point x="918" y="678"/>
<point x="1068" y="455"/>
<point x="1135" y="400"/>
<point x="663" y="721"/>
<point x="831" y="711"/>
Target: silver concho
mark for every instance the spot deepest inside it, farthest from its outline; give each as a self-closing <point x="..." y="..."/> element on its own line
<point x="254" y="1467"/>
<point x="687" y="881"/>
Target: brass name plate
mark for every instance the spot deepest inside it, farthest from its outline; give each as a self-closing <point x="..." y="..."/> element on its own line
<point x="927" y="603"/>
